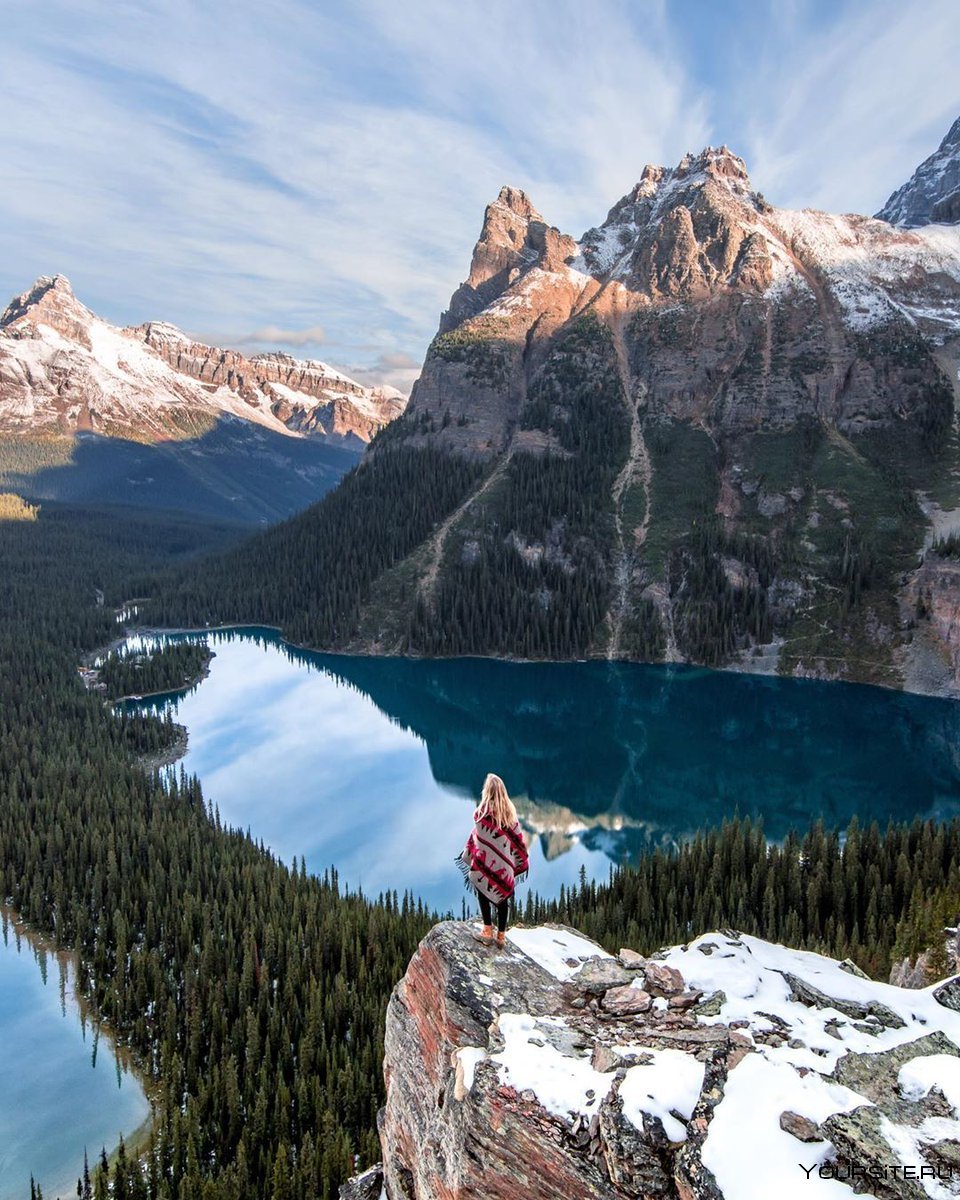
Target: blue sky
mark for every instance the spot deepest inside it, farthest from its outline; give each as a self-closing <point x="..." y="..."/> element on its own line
<point x="312" y="175"/>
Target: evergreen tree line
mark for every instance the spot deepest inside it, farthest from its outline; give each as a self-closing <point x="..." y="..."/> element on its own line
<point x="169" y="668"/>
<point x="252" y="994"/>
<point x="714" y="615"/>
<point x="872" y="896"/>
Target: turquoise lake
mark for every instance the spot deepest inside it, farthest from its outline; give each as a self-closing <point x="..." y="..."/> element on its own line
<point x="374" y="764"/>
<point x="55" y="1102"/>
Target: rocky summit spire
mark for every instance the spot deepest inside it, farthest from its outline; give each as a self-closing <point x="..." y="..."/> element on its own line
<point x="514" y="238"/>
<point x="50" y="302"/>
<point x="683" y="231"/>
<point x="932" y="194"/>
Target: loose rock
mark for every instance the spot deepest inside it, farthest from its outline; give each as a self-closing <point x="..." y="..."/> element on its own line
<point x="661" y="980"/>
<point x="627" y="1000"/>
<point x="800" y="1127"/>
<point x="598" y="974"/>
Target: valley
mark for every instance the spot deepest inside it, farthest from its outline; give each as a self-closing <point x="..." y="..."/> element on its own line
<point x="711" y="433"/>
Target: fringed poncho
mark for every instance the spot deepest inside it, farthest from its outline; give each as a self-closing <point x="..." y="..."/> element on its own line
<point x="494" y="859"/>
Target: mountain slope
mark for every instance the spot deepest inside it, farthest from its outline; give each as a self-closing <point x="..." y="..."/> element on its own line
<point x="711" y="430"/>
<point x="933" y="191"/>
<point x="94" y="414"/>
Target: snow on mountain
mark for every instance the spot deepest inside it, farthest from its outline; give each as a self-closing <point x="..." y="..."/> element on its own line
<point x="64" y="370"/>
<point x="932" y="193"/>
<point x="877" y="274"/>
<point x="699" y="226"/>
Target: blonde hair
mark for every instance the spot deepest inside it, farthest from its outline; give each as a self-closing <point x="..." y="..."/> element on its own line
<point x="496" y="804"/>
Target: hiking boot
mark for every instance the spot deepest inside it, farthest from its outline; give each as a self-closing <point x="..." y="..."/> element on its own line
<point x="485" y="936"/>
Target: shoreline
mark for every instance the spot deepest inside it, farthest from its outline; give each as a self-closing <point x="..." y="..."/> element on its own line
<point x="88" y="661"/>
<point x="137" y="1140"/>
<point x="943" y="690"/>
<point x="152" y="763"/>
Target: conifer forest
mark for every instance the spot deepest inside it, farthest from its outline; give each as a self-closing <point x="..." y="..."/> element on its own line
<point x="252" y="994"/>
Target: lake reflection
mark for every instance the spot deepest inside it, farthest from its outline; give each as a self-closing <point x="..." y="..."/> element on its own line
<point x="54" y="1102"/>
<point x="374" y="764"/>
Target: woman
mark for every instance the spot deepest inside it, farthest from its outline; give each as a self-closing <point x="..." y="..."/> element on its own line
<point x="495" y="857"/>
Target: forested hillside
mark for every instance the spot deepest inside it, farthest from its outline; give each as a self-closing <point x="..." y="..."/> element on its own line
<point x="253" y="993"/>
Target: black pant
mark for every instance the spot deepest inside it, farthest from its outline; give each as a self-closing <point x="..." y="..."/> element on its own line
<point x="486" y="911"/>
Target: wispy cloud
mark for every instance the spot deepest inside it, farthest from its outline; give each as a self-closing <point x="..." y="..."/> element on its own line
<point x="273" y="335"/>
<point x="397" y="369"/>
<point x="861" y="97"/>
<point x="315" y="168"/>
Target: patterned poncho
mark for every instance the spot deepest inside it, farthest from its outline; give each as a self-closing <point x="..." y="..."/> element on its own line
<point x="494" y="859"/>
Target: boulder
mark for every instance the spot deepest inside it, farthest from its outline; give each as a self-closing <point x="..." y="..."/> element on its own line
<point x="710" y="1006"/>
<point x="626" y="1000"/>
<point x="598" y="974"/>
<point x="684" y="1000"/>
<point x="861" y="1147"/>
<point x="806" y="993"/>
<point x="661" y="980"/>
<point x="874" y="1076"/>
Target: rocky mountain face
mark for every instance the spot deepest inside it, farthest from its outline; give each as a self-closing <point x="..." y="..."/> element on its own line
<point x="933" y="191"/>
<point x="63" y="370"/>
<point x="93" y="414"/>
<point x="712" y="430"/>
<point x="555" y="1069"/>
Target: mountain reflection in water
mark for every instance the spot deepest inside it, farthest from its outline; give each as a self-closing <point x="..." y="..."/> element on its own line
<point x="603" y="759"/>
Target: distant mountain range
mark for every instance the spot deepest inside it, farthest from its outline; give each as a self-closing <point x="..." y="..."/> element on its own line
<point x="710" y="430"/>
<point x="145" y="416"/>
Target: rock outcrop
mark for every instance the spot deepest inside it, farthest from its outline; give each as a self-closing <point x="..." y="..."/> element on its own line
<point x="514" y="240"/>
<point x="63" y="370"/>
<point x="509" y="1074"/>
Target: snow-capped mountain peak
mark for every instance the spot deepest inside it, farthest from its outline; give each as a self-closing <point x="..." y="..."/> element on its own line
<point x="63" y="369"/>
<point x="932" y="194"/>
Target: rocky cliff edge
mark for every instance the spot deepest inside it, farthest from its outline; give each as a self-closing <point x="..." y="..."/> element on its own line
<point x="728" y="1067"/>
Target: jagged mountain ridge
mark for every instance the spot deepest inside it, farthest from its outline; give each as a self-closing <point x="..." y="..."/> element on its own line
<point x="64" y="370"/>
<point x="143" y="416"/>
<point x="933" y="191"/>
<point x="711" y="430"/>
<point x="699" y="235"/>
<point x="753" y="342"/>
